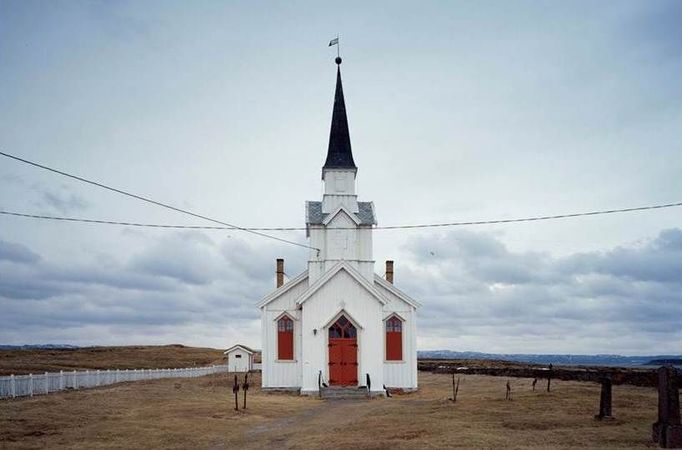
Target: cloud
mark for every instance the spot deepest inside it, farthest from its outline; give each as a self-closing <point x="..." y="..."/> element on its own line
<point x="64" y="202"/>
<point x="17" y="253"/>
<point x="179" y="281"/>
<point x="474" y="288"/>
<point x="477" y="294"/>
<point x="186" y="257"/>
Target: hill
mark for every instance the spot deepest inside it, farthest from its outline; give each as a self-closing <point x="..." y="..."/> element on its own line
<point x="38" y="360"/>
<point x="557" y="360"/>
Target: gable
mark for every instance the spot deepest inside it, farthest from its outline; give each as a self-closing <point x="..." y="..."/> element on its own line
<point x="342" y="273"/>
<point x="239" y="349"/>
<point x="341" y="217"/>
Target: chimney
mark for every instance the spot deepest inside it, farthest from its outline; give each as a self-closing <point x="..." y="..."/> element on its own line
<point x="280" y="272"/>
<point x="389" y="271"/>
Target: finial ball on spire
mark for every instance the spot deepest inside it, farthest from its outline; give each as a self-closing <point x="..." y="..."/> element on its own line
<point x="338" y="60"/>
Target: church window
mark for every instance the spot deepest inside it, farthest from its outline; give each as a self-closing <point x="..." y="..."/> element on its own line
<point x="285" y="339"/>
<point x="394" y="339"/>
<point x="342" y="328"/>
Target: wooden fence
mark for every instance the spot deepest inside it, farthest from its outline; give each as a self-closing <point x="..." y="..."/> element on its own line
<point x="48" y="382"/>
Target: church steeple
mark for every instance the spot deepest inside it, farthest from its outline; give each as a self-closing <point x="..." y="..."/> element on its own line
<point x="339" y="154"/>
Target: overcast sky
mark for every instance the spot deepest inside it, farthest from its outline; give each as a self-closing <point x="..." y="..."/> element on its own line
<point x="458" y="111"/>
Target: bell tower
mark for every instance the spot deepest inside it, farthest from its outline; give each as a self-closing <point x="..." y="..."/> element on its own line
<point x="339" y="225"/>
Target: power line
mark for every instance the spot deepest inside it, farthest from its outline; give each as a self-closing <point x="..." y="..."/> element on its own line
<point x="392" y="227"/>
<point x="154" y="202"/>
<point x="534" y="219"/>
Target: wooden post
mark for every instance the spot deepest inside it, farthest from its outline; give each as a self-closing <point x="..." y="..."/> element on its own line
<point x="47" y="383"/>
<point x="535" y="381"/>
<point x="30" y="384"/>
<point x="61" y="380"/>
<point x="235" y="391"/>
<point x="245" y="387"/>
<point x="668" y="430"/>
<point x="455" y="388"/>
<point x="12" y="386"/>
<point x="549" y="378"/>
<point x="454" y="396"/>
<point x="605" y="400"/>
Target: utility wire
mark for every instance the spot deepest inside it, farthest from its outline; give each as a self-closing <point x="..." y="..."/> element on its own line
<point x="393" y="227"/>
<point x="154" y="202"/>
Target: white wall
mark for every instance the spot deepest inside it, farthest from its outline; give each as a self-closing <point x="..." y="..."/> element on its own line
<point x="239" y="360"/>
<point x="341" y="292"/>
<point x="281" y="374"/>
<point x="401" y="374"/>
<point x="337" y="243"/>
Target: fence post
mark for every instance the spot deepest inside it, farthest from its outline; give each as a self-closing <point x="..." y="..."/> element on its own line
<point x="97" y="379"/>
<point x="12" y="386"/>
<point x="47" y="383"/>
<point x="30" y="384"/>
<point x="605" y="400"/>
<point x="61" y="380"/>
<point x="75" y="380"/>
<point x="667" y="431"/>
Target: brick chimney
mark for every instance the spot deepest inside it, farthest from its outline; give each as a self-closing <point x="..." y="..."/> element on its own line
<point x="280" y="272"/>
<point x="389" y="271"/>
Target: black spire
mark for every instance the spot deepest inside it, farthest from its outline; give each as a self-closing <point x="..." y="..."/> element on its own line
<point x="339" y="154"/>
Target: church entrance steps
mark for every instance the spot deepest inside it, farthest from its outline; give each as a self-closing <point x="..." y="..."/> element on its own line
<point x="349" y="392"/>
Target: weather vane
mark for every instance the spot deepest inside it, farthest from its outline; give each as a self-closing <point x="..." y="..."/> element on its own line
<point x="335" y="41"/>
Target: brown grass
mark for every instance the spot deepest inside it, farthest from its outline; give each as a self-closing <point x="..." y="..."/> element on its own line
<point x="198" y="413"/>
<point x="134" y="357"/>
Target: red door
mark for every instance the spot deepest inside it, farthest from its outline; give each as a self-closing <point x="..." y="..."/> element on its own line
<point x="343" y="353"/>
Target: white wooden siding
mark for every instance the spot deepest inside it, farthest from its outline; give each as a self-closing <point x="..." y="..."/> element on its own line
<point x="401" y="374"/>
<point x="281" y="374"/>
<point x="342" y="292"/>
<point x="239" y="360"/>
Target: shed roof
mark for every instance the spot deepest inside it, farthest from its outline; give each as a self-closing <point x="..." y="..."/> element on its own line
<point x="240" y="346"/>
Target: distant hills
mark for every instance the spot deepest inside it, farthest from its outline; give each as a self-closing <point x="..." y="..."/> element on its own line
<point x="560" y="360"/>
<point x="38" y="347"/>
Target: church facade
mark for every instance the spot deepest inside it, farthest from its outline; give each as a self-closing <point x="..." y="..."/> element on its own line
<point x="339" y="323"/>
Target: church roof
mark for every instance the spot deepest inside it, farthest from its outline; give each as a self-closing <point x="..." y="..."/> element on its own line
<point x="315" y="216"/>
<point x="339" y="154"/>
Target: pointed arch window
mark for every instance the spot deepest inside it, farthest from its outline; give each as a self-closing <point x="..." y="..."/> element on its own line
<point x="394" y="339"/>
<point x="285" y="339"/>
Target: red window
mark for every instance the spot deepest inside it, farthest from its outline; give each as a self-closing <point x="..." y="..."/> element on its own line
<point x="285" y="338"/>
<point x="394" y="339"/>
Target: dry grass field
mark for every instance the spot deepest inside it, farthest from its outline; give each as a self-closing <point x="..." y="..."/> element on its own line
<point x="20" y="362"/>
<point x="198" y="413"/>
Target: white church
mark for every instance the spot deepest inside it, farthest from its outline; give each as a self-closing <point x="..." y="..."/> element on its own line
<point x="339" y="324"/>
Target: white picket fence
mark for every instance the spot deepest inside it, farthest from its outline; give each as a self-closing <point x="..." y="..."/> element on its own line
<point x="30" y="385"/>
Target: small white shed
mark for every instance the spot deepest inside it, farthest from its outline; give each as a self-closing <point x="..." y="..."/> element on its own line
<point x="239" y="358"/>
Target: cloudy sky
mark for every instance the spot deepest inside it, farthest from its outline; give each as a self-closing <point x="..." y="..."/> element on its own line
<point x="458" y="111"/>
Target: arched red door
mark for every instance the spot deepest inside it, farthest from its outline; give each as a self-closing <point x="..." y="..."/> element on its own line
<point x="343" y="353"/>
